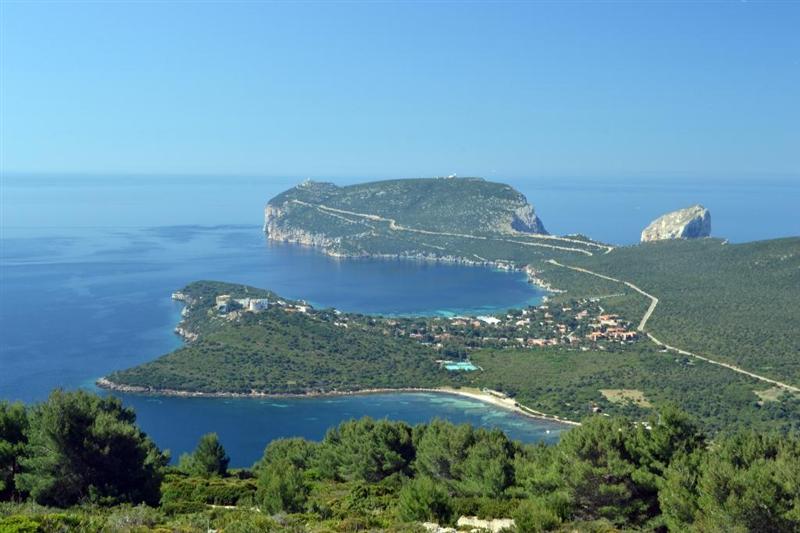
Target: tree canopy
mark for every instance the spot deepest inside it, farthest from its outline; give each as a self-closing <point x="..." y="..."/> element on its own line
<point x="607" y="474"/>
<point x="13" y="441"/>
<point x="208" y="459"/>
<point x="83" y="447"/>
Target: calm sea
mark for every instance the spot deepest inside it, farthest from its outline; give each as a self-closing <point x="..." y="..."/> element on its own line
<point x="87" y="266"/>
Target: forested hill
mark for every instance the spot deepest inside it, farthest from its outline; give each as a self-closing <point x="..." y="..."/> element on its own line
<point x="287" y="347"/>
<point x="459" y="205"/>
<point x="545" y="357"/>
<point x="737" y="303"/>
<point x="454" y="219"/>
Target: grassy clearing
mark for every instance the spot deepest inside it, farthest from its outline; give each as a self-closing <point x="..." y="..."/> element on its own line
<point x="626" y="395"/>
<point x="773" y="394"/>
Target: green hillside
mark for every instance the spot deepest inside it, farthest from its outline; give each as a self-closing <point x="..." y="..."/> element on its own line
<point x="460" y="205"/>
<point x="79" y="462"/>
<point x="462" y="219"/>
<point x="735" y="302"/>
<point x="292" y="348"/>
<point x="280" y="350"/>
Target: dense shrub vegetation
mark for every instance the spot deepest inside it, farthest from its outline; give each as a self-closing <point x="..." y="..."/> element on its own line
<point x="281" y="352"/>
<point x="446" y="205"/>
<point x="735" y="302"/>
<point x="609" y="473"/>
<point x="569" y="384"/>
<point x="81" y="447"/>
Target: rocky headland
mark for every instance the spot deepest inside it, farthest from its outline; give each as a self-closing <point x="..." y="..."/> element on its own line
<point x="690" y="223"/>
<point x="342" y="220"/>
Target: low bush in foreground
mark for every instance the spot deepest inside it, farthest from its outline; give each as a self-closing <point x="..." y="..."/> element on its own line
<point x="609" y="473"/>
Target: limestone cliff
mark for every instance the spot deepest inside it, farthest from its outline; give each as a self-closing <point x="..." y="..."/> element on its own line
<point x="689" y="223"/>
<point x="397" y="217"/>
<point x="462" y="220"/>
<point x="454" y="205"/>
<point x="277" y="226"/>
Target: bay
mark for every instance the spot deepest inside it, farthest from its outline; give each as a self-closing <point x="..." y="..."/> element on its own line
<point x="87" y="264"/>
<point x="78" y="303"/>
<point x="246" y="425"/>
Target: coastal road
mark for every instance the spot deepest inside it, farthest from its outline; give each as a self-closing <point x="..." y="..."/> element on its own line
<point x="649" y="313"/>
<point x="395" y="226"/>
<point x="653" y="299"/>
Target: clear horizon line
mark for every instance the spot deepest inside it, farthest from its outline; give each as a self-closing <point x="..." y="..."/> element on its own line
<point x="654" y="175"/>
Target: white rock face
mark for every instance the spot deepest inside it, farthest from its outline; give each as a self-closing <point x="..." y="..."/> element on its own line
<point x="525" y="220"/>
<point x="690" y="223"/>
<point x="276" y="229"/>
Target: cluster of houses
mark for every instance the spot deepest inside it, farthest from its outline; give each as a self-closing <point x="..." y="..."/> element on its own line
<point x="610" y="327"/>
<point x="580" y="323"/>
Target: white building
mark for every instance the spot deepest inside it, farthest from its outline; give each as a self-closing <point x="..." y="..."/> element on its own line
<point x="258" y="304"/>
<point x="253" y="304"/>
<point x="223" y="301"/>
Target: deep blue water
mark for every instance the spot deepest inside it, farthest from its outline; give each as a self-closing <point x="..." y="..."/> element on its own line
<point x="611" y="210"/>
<point x="87" y="266"/>
<point x="245" y="425"/>
<point x="77" y="306"/>
<point x="78" y="303"/>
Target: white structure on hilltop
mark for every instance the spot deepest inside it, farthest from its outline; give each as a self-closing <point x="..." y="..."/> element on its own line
<point x="223" y="302"/>
<point x="253" y="304"/>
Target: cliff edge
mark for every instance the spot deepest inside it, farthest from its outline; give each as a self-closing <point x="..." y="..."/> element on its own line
<point x="689" y="223"/>
<point x="347" y="220"/>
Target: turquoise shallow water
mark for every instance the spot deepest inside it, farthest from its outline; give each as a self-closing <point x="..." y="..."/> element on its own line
<point x="88" y="301"/>
<point x="87" y="265"/>
<point x="245" y="425"/>
<point x="78" y="303"/>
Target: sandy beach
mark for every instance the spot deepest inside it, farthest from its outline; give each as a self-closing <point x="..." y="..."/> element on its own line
<point x="500" y="400"/>
<point x="494" y="398"/>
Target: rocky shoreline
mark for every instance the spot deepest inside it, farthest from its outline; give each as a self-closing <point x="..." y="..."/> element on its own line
<point x="185" y="334"/>
<point x="324" y="245"/>
<point x="534" y="279"/>
<point x="180" y="330"/>
<point x="327" y="246"/>
<point x="490" y="397"/>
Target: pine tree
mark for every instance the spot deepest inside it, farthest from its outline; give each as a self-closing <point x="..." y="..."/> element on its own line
<point x="86" y="448"/>
<point x="13" y="440"/>
<point x="208" y="459"/>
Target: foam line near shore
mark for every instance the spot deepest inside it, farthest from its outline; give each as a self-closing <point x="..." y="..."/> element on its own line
<point x="490" y="397"/>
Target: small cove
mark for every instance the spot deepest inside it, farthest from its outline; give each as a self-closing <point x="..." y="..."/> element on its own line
<point x="86" y="298"/>
<point x="81" y="302"/>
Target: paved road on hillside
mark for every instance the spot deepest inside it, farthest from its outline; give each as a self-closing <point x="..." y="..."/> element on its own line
<point x="649" y="313"/>
<point x="395" y="226"/>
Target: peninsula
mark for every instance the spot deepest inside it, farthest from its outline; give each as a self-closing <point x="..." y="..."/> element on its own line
<point x="698" y="323"/>
<point x="466" y="220"/>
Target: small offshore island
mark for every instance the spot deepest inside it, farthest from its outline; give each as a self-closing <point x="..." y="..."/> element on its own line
<point x="423" y="355"/>
<point x="624" y="329"/>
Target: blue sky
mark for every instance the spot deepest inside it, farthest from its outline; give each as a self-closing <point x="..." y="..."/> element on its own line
<point x="523" y="89"/>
